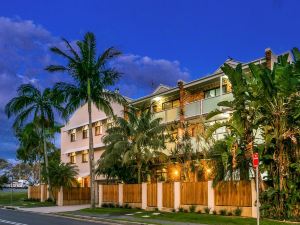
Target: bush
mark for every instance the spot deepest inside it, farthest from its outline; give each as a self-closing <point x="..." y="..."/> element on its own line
<point x="126" y="206"/>
<point x="104" y="205"/>
<point x="207" y="210"/>
<point x="199" y="211"/>
<point x="192" y="208"/>
<point x="229" y="213"/>
<point x="215" y="212"/>
<point x="111" y="205"/>
<point x="223" y="212"/>
<point x="180" y="209"/>
<point x="156" y="210"/>
<point x="238" y="211"/>
<point x="31" y="200"/>
<point x="173" y="210"/>
<point x="185" y="211"/>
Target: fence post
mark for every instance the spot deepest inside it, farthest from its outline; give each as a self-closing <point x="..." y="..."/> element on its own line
<point x="100" y="195"/>
<point x="60" y="197"/>
<point x="121" y="194"/>
<point x="29" y="192"/>
<point x="144" y="195"/>
<point x="253" y="197"/>
<point x="176" y="195"/>
<point x="211" y="196"/>
<point x="47" y="192"/>
<point x="159" y="195"/>
<point x="42" y="192"/>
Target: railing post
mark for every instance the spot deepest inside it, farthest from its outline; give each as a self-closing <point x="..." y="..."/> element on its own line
<point x="144" y="195"/>
<point x="60" y="197"/>
<point x="100" y="195"/>
<point x="211" y="196"/>
<point x="254" y="200"/>
<point x="159" y="195"/>
<point x="121" y="194"/>
<point x="176" y="195"/>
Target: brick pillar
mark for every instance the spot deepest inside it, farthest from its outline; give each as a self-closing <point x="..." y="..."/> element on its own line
<point x="60" y="198"/>
<point x="176" y="195"/>
<point x="159" y="195"/>
<point x="210" y="196"/>
<point x="253" y="192"/>
<point x="181" y="108"/>
<point x="268" y="55"/>
<point x="100" y="192"/>
<point x="144" y="195"/>
<point x="121" y="194"/>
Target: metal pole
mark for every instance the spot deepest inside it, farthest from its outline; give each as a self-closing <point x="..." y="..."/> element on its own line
<point x="257" y="196"/>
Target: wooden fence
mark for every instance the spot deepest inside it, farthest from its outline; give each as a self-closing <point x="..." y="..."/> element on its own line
<point x="35" y="192"/>
<point x="194" y="193"/>
<point x="76" y="196"/>
<point x="152" y="195"/>
<point x="132" y="193"/>
<point x="111" y="193"/>
<point x="168" y="195"/>
<point x="235" y="193"/>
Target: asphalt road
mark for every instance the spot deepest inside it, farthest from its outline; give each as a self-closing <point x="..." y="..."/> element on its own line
<point x="15" y="217"/>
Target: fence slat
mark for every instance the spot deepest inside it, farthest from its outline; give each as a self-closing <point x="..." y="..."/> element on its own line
<point x="193" y="193"/>
<point x="132" y="193"/>
<point x="111" y="193"/>
<point x="152" y="195"/>
<point x="233" y="193"/>
<point x="76" y="195"/>
<point x="168" y="195"/>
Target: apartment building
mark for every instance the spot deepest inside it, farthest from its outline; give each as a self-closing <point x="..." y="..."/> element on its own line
<point x="188" y="102"/>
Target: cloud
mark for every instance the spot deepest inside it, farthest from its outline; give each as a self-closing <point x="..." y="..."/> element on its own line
<point x="142" y="74"/>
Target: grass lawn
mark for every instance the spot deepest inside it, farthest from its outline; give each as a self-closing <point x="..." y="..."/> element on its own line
<point x="183" y="217"/>
<point x="17" y="199"/>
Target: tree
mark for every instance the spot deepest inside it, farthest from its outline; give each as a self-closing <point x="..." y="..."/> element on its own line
<point x="62" y="174"/>
<point x="92" y="77"/>
<point x="31" y="103"/>
<point x="137" y="139"/>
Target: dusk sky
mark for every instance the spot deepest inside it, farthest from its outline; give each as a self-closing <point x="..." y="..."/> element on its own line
<point x="162" y="41"/>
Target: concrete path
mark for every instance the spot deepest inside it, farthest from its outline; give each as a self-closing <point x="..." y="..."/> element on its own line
<point x="55" y="209"/>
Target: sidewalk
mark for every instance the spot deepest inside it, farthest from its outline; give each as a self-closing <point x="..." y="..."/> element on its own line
<point x="55" y="209"/>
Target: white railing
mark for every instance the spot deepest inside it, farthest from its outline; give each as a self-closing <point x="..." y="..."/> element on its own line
<point x="197" y="108"/>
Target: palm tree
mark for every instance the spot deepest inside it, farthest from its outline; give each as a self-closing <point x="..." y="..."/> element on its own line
<point x="137" y="139"/>
<point x="31" y="103"/>
<point x="92" y="78"/>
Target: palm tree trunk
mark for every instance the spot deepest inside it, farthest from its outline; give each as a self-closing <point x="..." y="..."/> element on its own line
<point x="91" y="147"/>
<point x="139" y="167"/>
<point x="46" y="160"/>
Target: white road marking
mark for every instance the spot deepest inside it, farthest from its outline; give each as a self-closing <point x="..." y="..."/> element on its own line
<point x="11" y="222"/>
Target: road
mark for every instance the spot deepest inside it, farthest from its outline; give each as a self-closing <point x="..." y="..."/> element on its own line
<point x="15" y="217"/>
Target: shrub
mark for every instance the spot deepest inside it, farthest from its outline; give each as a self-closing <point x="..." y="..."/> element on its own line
<point x="173" y="210"/>
<point x="192" y="208"/>
<point x="223" y="212"/>
<point x="180" y="209"/>
<point x="104" y="205"/>
<point x="156" y="210"/>
<point x="215" y="212"/>
<point x="238" y="211"/>
<point x="207" y="210"/>
<point x="229" y="213"/>
<point x="199" y="211"/>
<point x="111" y="205"/>
<point x="185" y="211"/>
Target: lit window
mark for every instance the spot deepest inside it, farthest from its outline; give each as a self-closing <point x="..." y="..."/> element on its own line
<point x="85" y="157"/>
<point x="73" y="135"/>
<point x="73" y="158"/>
<point x="170" y="104"/>
<point x="85" y="132"/>
<point x="98" y="129"/>
<point x="214" y="92"/>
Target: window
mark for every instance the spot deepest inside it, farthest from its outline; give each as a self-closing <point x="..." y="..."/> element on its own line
<point x="73" y="135"/>
<point x="85" y="157"/>
<point x="98" y="129"/>
<point x="85" y="132"/>
<point x="73" y="158"/>
<point x="170" y="104"/>
<point x="214" y="92"/>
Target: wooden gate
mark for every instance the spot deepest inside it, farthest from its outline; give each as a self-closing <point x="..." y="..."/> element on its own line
<point x="193" y="193"/>
<point x="233" y="193"/>
<point x="168" y="195"/>
<point x="152" y="195"/>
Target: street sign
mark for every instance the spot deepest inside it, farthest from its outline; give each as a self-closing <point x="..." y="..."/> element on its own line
<point x="255" y="160"/>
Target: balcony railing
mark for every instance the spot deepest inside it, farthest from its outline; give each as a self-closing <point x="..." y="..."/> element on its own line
<point x="197" y="108"/>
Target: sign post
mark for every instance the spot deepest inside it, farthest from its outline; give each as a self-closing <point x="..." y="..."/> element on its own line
<point x="255" y="163"/>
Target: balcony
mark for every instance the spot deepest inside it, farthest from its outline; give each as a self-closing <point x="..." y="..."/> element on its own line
<point x="168" y="116"/>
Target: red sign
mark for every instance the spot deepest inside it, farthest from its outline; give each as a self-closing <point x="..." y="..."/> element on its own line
<point x="255" y="160"/>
